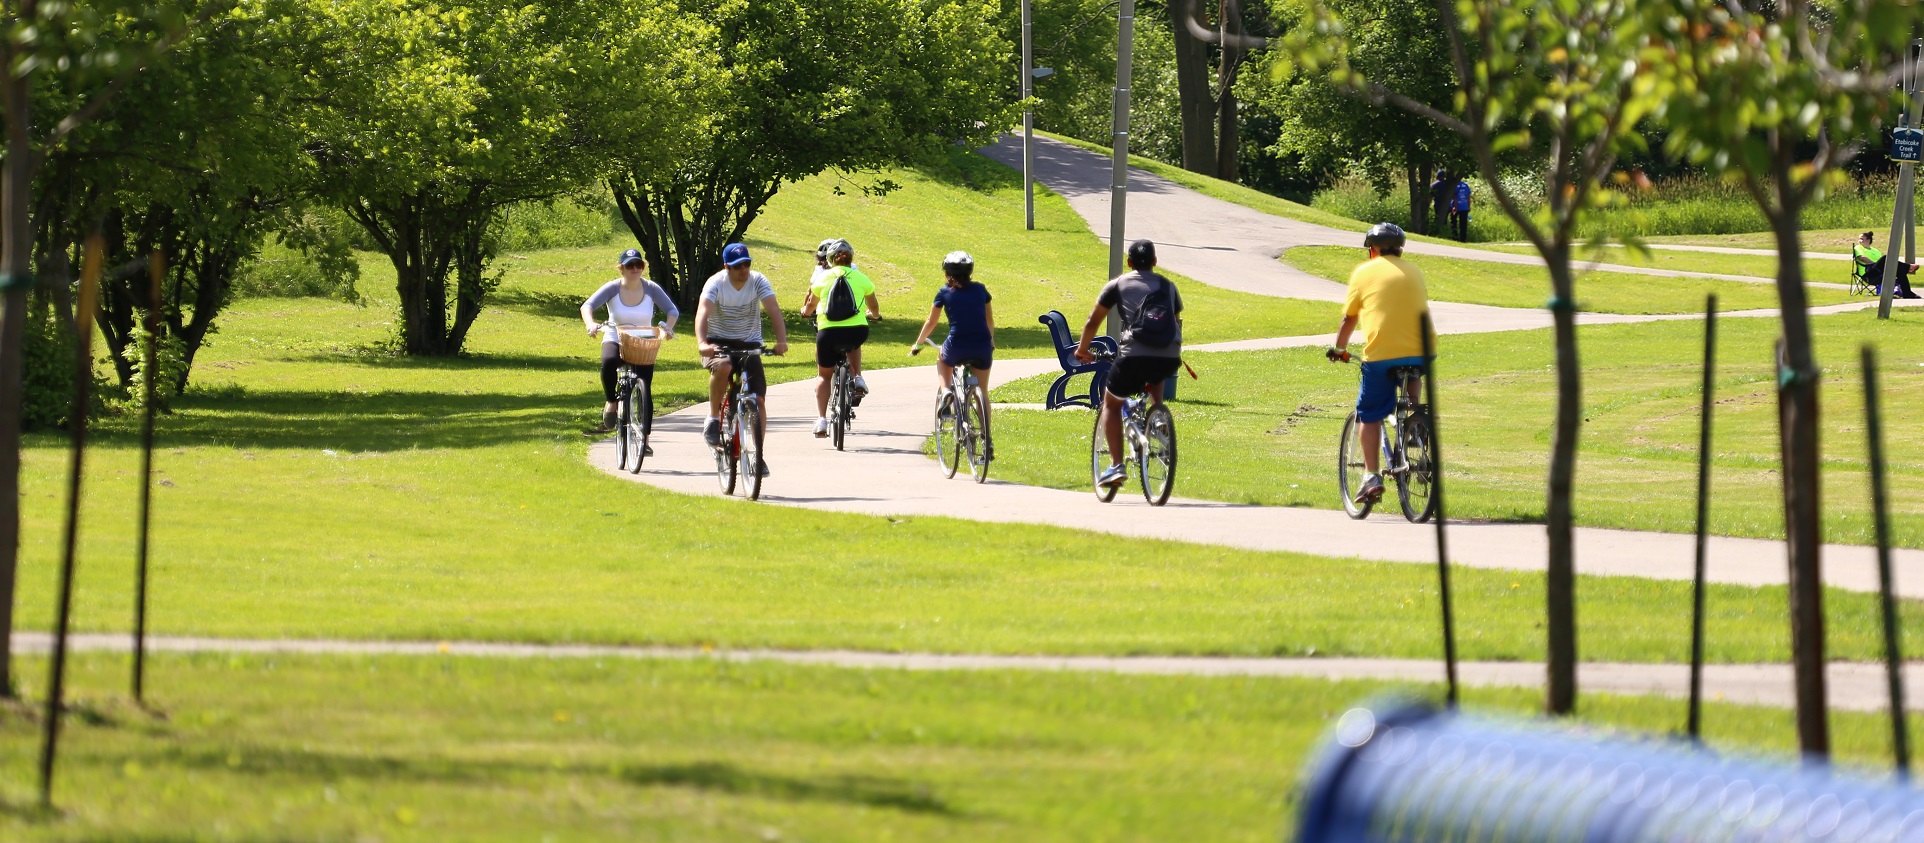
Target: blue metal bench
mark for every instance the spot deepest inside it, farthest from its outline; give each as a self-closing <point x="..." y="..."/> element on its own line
<point x="1410" y="774"/>
<point x="1065" y="344"/>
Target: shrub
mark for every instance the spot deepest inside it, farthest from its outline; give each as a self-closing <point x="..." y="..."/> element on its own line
<point x="562" y="223"/>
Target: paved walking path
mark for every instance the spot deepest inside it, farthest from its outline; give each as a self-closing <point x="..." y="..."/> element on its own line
<point x="1231" y="245"/>
<point x="885" y="473"/>
<point x="1853" y="686"/>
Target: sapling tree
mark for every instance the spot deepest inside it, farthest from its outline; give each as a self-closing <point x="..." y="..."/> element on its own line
<point x="1779" y="96"/>
<point x="1565" y="81"/>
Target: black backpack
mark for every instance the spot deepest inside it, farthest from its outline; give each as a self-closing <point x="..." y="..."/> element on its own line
<point x="841" y="299"/>
<point x="1155" y="323"/>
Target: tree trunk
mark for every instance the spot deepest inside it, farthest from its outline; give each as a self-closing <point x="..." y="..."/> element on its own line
<point x="1228" y="137"/>
<point x="1193" y="95"/>
<point x="16" y="238"/>
<point x="1417" y="173"/>
<point x="1803" y="530"/>
<point x="1560" y="580"/>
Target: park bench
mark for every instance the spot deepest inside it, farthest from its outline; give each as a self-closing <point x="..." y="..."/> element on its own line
<point x="1065" y="344"/>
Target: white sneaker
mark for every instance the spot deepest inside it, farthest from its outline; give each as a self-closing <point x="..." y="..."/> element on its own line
<point x="821" y="428"/>
<point x="857" y="389"/>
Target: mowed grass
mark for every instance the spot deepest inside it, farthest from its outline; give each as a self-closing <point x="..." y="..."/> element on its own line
<point x="315" y="485"/>
<point x="450" y="748"/>
<point x="1261" y="427"/>
<point x="1519" y="285"/>
<point x="970" y="203"/>
<point x="1750" y="266"/>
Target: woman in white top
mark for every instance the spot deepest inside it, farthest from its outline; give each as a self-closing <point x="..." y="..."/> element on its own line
<point x="631" y="300"/>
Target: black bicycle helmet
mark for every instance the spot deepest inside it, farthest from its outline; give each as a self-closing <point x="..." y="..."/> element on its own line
<point x="1385" y="236"/>
<point x="958" y="265"/>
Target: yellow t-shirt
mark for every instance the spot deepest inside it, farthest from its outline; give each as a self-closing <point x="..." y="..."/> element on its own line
<point x="1388" y="299"/>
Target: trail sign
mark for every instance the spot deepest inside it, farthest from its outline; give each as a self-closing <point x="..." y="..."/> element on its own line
<point x="1906" y="145"/>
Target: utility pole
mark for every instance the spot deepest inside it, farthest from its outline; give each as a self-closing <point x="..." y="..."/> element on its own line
<point x="1028" y="119"/>
<point x="1119" y="180"/>
<point x="1906" y="145"/>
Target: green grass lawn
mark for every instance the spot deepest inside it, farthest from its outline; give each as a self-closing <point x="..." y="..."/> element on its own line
<point x="1261" y="427"/>
<point x="1517" y="285"/>
<point x="971" y="203"/>
<point x="433" y="749"/>
<point x="1754" y="266"/>
<point x="315" y="485"/>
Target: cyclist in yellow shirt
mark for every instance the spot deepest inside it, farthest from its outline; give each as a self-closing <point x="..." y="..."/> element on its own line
<point x="1386" y="301"/>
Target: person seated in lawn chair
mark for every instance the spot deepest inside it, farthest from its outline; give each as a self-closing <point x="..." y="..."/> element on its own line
<point x="1869" y="265"/>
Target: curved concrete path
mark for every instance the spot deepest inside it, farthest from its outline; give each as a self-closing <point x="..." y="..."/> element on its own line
<point x="884" y="472"/>
<point x="1235" y="246"/>
<point x="1854" y="686"/>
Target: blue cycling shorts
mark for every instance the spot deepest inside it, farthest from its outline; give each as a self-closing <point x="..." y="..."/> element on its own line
<point x="1376" y="399"/>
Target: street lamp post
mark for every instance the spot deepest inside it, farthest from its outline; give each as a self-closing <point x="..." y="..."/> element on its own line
<point x="1028" y="120"/>
<point x="1119" y="178"/>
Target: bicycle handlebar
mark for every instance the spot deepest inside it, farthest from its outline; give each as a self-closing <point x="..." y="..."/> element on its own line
<point x="917" y="349"/>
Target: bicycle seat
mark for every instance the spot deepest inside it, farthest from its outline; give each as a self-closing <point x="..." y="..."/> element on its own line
<point x="1406" y="372"/>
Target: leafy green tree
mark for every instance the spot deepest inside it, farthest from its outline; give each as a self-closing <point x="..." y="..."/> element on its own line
<point x="439" y="117"/>
<point x="1778" y="95"/>
<point x="63" y="62"/>
<point x="1399" y="44"/>
<point x="193" y="161"/>
<point x="806" y="86"/>
<point x="1206" y="76"/>
<point x="1566" y="79"/>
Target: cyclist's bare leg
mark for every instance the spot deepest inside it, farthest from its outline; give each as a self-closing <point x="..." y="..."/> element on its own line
<point x="1112" y="425"/>
<point x="717" y="387"/>
<point x="1372" y="447"/>
<point x="824" y="375"/>
<point x="761" y="418"/>
<point x="855" y="362"/>
<point x="943" y="372"/>
<point x="1155" y="392"/>
<point x="982" y="386"/>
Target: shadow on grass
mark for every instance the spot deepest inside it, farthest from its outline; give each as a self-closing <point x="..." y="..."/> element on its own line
<point x="872" y="791"/>
<point x="380" y="421"/>
<point x="538" y="303"/>
<point x="712" y="776"/>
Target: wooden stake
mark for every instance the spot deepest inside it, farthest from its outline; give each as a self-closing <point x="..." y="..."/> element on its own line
<point x="156" y="269"/>
<point x="83" y="380"/>
<point x="1694" y="720"/>
<point x="1436" y="489"/>
<point x="1886" y="584"/>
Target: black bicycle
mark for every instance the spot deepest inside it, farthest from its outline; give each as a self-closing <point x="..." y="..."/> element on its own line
<point x="961" y="424"/>
<point x="1404" y="457"/>
<point x="841" y="412"/>
<point x="639" y="347"/>
<point x="740" y="454"/>
<point x="1149" y="435"/>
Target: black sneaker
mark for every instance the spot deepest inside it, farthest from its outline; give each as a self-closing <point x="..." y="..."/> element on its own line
<point x="711" y="432"/>
<point x="761" y="468"/>
<point x="647" y="450"/>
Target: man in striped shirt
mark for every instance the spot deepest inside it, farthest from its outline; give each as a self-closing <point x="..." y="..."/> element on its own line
<point x="730" y="317"/>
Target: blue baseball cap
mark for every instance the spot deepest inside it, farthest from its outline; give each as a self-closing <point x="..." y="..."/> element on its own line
<point x="735" y="254"/>
<point x="630" y="256"/>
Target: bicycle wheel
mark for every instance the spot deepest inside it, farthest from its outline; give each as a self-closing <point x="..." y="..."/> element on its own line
<point x="1099" y="460"/>
<point x="749" y="466"/>
<point x="975" y="436"/>
<point x="945" y="432"/>
<point x="634" y="414"/>
<point x="1350" y="468"/>
<point x="725" y="455"/>
<point x="1416" y="488"/>
<point x="1157" y="463"/>
<point x="620" y="432"/>
<point x="838" y="406"/>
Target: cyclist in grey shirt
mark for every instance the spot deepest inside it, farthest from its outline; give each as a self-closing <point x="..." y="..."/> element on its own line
<point x="1139" y="366"/>
<point x="730" y="317"/>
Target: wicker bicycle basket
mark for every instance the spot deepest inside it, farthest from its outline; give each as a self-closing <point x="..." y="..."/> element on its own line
<point x="639" y="346"/>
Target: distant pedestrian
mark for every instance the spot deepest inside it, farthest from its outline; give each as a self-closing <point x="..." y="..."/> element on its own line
<point x="1460" y="210"/>
<point x="1440" y="191"/>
